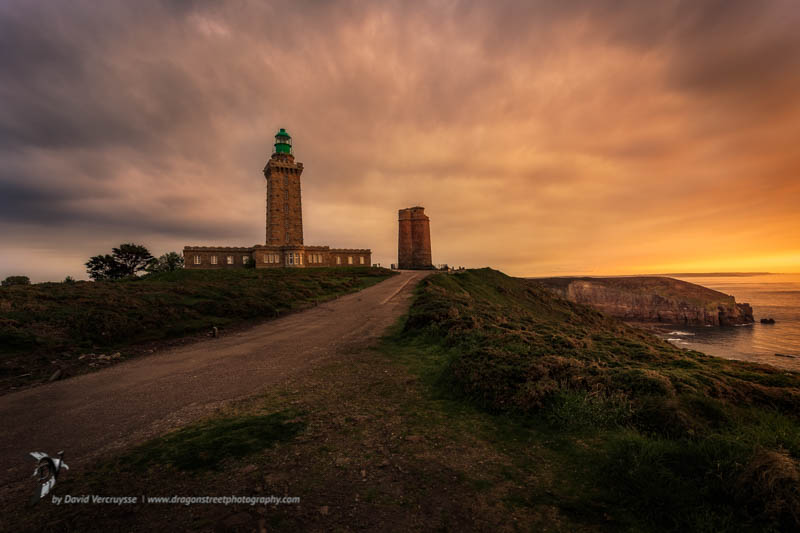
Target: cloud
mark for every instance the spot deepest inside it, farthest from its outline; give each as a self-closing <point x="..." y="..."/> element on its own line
<point x="541" y="136"/>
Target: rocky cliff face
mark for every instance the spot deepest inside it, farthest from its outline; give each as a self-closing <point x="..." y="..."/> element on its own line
<point x="653" y="299"/>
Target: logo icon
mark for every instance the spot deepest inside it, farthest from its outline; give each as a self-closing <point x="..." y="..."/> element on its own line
<point x="46" y="472"/>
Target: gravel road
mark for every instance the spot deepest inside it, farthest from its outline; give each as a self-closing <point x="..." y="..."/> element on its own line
<point x="127" y="403"/>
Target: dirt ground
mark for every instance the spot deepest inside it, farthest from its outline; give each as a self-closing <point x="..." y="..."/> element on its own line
<point x="380" y="451"/>
<point x="92" y="415"/>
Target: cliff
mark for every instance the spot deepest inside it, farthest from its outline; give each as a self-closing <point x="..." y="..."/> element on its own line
<point x="653" y="299"/>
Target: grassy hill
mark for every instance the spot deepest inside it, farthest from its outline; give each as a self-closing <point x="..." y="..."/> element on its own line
<point x="664" y="287"/>
<point x="669" y="439"/>
<point x="493" y="406"/>
<point x="48" y="326"/>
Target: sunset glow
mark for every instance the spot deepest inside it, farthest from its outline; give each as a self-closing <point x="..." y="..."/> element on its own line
<point x="542" y="138"/>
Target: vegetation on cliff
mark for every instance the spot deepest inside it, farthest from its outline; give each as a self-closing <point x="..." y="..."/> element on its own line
<point x="48" y="326"/>
<point x="669" y="439"/>
<point x="652" y="299"/>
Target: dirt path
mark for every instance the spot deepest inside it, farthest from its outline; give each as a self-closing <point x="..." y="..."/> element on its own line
<point x="127" y="403"/>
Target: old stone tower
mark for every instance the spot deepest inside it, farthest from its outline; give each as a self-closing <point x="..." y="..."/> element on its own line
<point x="414" y="239"/>
<point x="284" y="209"/>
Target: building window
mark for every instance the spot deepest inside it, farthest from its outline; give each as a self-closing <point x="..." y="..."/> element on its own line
<point x="267" y="258"/>
<point x="290" y="258"/>
<point x="338" y="260"/>
<point x="361" y="259"/>
<point x="230" y="259"/>
<point x="197" y="260"/>
<point x="300" y="256"/>
<point x="350" y="260"/>
<point x="213" y="259"/>
<point x="245" y="259"/>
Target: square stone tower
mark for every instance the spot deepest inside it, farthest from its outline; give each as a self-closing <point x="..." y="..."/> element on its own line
<point x="284" y="209"/>
<point x="414" y="239"/>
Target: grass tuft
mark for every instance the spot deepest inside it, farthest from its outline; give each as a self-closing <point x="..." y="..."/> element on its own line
<point x="204" y="446"/>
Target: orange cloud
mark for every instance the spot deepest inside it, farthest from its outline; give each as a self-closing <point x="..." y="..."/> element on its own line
<point x="542" y="138"/>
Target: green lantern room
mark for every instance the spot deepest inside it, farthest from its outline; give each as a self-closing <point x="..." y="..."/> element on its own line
<point x="283" y="142"/>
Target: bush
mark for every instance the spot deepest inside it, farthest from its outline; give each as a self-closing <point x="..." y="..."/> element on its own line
<point x="16" y="280"/>
<point x="168" y="262"/>
<point x="771" y="479"/>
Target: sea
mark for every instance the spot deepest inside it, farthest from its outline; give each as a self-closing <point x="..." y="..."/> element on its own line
<point x="774" y="296"/>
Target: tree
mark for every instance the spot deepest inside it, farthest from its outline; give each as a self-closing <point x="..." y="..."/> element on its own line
<point x="168" y="262"/>
<point x="124" y="261"/>
<point x="16" y="280"/>
<point x="103" y="267"/>
<point x="132" y="258"/>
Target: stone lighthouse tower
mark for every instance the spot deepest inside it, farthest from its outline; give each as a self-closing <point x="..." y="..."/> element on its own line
<point x="284" y="247"/>
<point x="284" y="209"/>
<point x="414" y="239"/>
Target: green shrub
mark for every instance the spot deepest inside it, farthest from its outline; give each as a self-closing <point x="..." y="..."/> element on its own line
<point x="581" y="410"/>
<point x="16" y="280"/>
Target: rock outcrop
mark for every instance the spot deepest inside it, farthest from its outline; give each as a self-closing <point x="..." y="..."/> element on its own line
<point x="653" y="299"/>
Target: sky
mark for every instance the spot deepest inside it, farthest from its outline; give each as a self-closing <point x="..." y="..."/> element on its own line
<point x="542" y="137"/>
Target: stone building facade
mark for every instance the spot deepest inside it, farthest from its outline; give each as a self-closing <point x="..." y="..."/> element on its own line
<point x="414" y="239"/>
<point x="284" y="228"/>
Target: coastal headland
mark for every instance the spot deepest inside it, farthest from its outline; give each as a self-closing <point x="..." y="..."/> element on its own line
<point x="653" y="299"/>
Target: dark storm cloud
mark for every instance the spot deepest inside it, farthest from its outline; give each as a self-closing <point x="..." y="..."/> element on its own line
<point x="18" y="201"/>
<point x="156" y="116"/>
<point x="722" y="47"/>
<point x="31" y="205"/>
<point x="57" y="91"/>
<point x="106" y="75"/>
